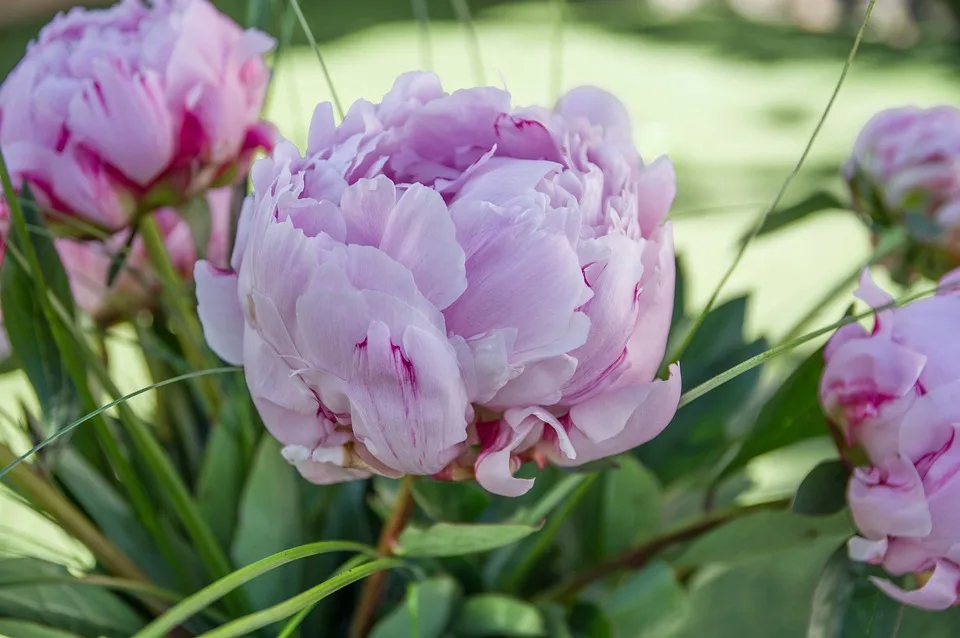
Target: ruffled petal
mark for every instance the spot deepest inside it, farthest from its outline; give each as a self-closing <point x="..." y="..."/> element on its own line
<point x="889" y="502"/>
<point x="938" y="593"/>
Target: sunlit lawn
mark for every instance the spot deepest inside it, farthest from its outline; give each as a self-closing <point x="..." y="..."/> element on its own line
<point x="734" y="129"/>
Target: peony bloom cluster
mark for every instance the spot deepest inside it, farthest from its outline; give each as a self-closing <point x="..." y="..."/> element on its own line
<point x="894" y="392"/>
<point x="119" y="111"/>
<point x="445" y="285"/>
<point x="905" y="172"/>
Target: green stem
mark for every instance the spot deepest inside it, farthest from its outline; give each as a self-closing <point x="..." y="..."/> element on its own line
<point x="247" y="625"/>
<point x="637" y="557"/>
<point x="365" y="612"/>
<point x="215" y="591"/>
<point x="189" y="333"/>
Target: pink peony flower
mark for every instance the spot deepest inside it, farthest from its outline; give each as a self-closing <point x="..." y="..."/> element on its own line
<point x="872" y="379"/>
<point x="116" y="112"/>
<point x="447" y="286"/>
<point x="906" y="507"/>
<point x="905" y="170"/>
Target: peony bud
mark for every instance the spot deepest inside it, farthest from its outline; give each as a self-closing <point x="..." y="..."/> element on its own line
<point x="905" y="173"/>
<point x="447" y="286"/>
<point x="115" y="112"/>
<point x="872" y="379"/>
<point x="136" y="286"/>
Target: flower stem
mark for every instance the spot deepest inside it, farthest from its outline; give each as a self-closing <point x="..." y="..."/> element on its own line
<point x="370" y="594"/>
<point x="639" y="556"/>
<point x="189" y="332"/>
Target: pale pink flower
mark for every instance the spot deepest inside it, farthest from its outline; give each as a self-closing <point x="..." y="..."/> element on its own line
<point x="448" y="286"/>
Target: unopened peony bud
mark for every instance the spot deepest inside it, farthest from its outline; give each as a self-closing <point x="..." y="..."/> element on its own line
<point x="905" y="173"/>
<point x="445" y="285"/>
<point x="115" y="112"/>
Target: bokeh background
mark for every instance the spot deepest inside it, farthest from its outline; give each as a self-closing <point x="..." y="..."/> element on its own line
<point x="730" y="89"/>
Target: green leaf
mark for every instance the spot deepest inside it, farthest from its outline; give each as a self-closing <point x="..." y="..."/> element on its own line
<point x="922" y="228"/>
<point x="222" y="473"/>
<point x="28" y="592"/>
<point x="847" y="605"/>
<point x="112" y="514"/>
<point x="649" y="604"/>
<point x="448" y="539"/>
<point x="823" y="491"/>
<point x="698" y="434"/>
<point x="25" y="629"/>
<point x="792" y="414"/>
<point x="816" y="203"/>
<point x="453" y="502"/>
<point x="631" y="505"/>
<point x="497" y="615"/>
<point x="269" y="522"/>
<point x="30" y="335"/>
<point x="762" y="533"/>
<point x="436" y="599"/>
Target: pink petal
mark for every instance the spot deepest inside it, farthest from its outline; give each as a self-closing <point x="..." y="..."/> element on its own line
<point x="938" y="593"/>
<point x="889" y="502"/>
<point x="517" y="416"/>
<point x="420" y="235"/>
<point x="494" y="466"/>
<point x="322" y="466"/>
<point x="408" y="403"/>
<point x="656" y="190"/>
<point x="601" y="108"/>
<point x="218" y="305"/>
<point x="538" y="383"/>
<point x="501" y="179"/>
<point x="655" y="404"/>
<point x="867" y="551"/>
<point x="126" y="120"/>
<point x="870" y="293"/>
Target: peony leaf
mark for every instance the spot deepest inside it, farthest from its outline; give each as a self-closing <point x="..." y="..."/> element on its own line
<point x="434" y="602"/>
<point x="649" y="604"/>
<point x="446" y="539"/>
<point x="824" y="491"/>
<point x="498" y="615"/>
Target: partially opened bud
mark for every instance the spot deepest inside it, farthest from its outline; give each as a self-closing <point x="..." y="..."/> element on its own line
<point x="446" y="286"/>
<point x="872" y="379"/>
<point x="115" y="112"/>
<point x="905" y="173"/>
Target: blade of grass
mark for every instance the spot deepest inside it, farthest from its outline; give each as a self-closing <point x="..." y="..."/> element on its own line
<point x="420" y="12"/>
<point x="313" y="43"/>
<point x="556" y="48"/>
<point x="678" y="353"/>
<point x="248" y="624"/>
<point x="695" y="393"/>
<point x="211" y="593"/>
<point x="462" y="9"/>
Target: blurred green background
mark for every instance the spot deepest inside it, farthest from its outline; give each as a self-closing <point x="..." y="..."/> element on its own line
<point x="730" y="90"/>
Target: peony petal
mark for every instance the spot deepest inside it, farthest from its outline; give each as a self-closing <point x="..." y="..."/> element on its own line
<point x="603" y="109"/>
<point x="867" y="551"/>
<point x="408" y="402"/>
<point x="517" y="416"/>
<point x="494" y="466"/>
<point x="889" y="502"/>
<point x="420" y="235"/>
<point x="655" y="405"/>
<point x="938" y="593"/>
<point x="218" y="305"/>
<point x="501" y="179"/>
<point x="656" y="190"/>
<point x="322" y="466"/>
<point x="125" y="119"/>
<point x="870" y="293"/>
